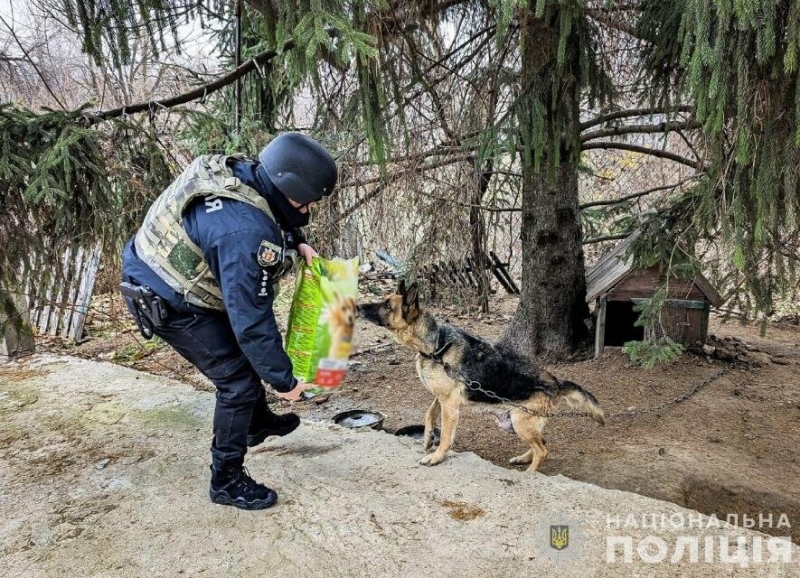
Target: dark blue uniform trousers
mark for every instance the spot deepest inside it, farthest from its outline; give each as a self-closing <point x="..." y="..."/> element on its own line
<point x="208" y="342"/>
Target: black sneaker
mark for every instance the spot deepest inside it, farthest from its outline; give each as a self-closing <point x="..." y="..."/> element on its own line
<point x="235" y="487"/>
<point x="271" y="424"/>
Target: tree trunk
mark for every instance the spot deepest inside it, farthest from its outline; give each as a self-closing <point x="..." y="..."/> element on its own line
<point x="478" y="231"/>
<point x="550" y="319"/>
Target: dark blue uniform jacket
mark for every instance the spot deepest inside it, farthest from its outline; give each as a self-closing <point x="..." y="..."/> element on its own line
<point x="230" y="233"/>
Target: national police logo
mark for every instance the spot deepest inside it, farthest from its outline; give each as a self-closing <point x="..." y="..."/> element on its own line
<point x="269" y="254"/>
<point x="559" y="537"/>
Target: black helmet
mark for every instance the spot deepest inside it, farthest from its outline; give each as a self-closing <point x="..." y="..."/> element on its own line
<point x="300" y="167"/>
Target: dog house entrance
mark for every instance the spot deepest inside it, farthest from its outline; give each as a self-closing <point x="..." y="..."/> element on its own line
<point x="620" y="319"/>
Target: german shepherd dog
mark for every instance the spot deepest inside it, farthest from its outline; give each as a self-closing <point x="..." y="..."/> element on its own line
<point x="451" y="362"/>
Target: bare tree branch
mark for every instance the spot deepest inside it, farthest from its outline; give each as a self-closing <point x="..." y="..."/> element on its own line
<point x="32" y="63"/>
<point x="606" y="19"/>
<point x="409" y="169"/>
<point x="606" y="238"/>
<point x="390" y="180"/>
<point x="639" y="194"/>
<point x="643" y="150"/>
<point x="604" y="118"/>
<point x="661" y="127"/>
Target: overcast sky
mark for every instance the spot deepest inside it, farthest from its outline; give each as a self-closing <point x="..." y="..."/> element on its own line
<point x="193" y="38"/>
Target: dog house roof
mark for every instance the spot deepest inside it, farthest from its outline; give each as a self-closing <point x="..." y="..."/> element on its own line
<point x="615" y="266"/>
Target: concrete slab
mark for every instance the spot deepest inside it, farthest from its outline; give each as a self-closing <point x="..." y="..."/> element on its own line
<point x="104" y="472"/>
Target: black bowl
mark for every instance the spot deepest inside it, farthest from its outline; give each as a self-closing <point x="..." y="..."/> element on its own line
<point x="360" y="419"/>
<point x="416" y="432"/>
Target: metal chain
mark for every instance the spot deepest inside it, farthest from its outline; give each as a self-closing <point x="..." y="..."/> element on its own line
<point x="475" y="386"/>
<point x="681" y="398"/>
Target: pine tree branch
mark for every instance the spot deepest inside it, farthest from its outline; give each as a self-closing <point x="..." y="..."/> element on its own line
<point x="199" y="92"/>
<point x="643" y="150"/>
<point x="661" y="127"/>
<point x="604" y="118"/>
<point x="639" y="194"/>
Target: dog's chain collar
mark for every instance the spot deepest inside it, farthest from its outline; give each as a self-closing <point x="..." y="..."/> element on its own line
<point x="438" y="354"/>
<point x="473" y="385"/>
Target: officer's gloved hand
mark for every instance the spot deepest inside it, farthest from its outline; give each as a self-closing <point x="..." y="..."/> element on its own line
<point x="295" y="392"/>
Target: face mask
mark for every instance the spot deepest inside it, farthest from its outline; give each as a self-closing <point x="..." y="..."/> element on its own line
<point x="288" y="217"/>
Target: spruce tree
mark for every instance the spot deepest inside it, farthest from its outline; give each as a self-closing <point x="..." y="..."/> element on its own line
<point x="733" y="64"/>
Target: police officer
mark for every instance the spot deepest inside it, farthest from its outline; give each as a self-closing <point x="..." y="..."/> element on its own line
<point x="202" y="274"/>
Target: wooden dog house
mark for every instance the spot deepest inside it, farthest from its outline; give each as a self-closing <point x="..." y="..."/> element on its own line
<point x="616" y="287"/>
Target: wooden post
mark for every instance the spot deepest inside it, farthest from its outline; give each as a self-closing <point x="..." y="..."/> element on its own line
<point x="500" y="268"/>
<point x="499" y="276"/>
<point x="600" y="329"/>
<point x="704" y="321"/>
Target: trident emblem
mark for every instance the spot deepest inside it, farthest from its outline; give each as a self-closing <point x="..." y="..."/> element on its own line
<point x="559" y="537"/>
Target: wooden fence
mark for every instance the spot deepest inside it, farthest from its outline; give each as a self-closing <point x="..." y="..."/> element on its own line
<point x="463" y="273"/>
<point x="61" y="307"/>
<point x="459" y="273"/>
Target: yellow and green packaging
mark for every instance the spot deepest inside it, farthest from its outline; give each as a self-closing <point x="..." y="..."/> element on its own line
<point x="321" y="322"/>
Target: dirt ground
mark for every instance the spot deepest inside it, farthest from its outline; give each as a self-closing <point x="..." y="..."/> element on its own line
<point x="731" y="449"/>
<point x="104" y="474"/>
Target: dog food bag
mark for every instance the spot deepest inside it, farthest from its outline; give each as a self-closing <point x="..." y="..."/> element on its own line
<point x="321" y="322"/>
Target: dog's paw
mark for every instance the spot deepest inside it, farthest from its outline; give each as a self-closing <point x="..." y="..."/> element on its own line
<point x="432" y="459"/>
<point x="520" y="460"/>
<point x="430" y="446"/>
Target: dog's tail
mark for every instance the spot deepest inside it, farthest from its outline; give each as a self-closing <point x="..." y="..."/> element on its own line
<point x="581" y="400"/>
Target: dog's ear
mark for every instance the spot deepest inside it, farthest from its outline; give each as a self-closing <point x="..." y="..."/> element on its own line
<point x="411" y="303"/>
<point x="411" y="296"/>
<point x="401" y="289"/>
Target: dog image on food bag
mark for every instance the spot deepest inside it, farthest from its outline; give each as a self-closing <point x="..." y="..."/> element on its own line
<point x="341" y="318"/>
<point x="449" y="359"/>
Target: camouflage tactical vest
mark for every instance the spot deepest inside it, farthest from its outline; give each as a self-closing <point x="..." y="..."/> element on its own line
<point x="162" y="242"/>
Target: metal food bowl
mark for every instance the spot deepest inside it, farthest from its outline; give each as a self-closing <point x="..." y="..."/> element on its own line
<point x="360" y="419"/>
<point x="416" y="432"/>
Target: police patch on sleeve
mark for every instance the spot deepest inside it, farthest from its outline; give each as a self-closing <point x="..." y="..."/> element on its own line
<point x="269" y="254"/>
